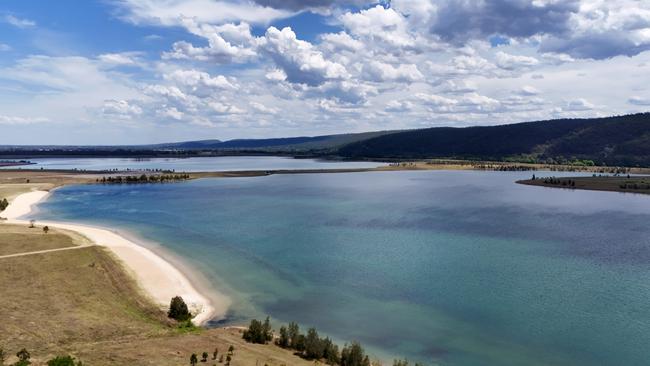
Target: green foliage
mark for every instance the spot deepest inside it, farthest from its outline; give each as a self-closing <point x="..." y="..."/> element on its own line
<point x="178" y="309"/>
<point x="3" y="204"/>
<point x="294" y="333"/>
<point x="204" y="357"/>
<point x="194" y="359"/>
<point x="63" y="361"/>
<point x="314" y="346"/>
<point x="23" y="357"/>
<point x="354" y="355"/>
<point x="283" y="339"/>
<point x="258" y="332"/>
<point x="620" y="140"/>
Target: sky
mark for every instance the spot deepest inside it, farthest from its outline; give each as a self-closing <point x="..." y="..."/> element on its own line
<point x="150" y="71"/>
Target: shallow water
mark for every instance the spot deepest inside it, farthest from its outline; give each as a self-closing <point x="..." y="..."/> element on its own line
<point x="196" y="164"/>
<point x="447" y="267"/>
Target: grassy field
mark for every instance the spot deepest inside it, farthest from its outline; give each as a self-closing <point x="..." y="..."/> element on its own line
<point x="81" y="302"/>
<point x="20" y="239"/>
<point x="640" y="184"/>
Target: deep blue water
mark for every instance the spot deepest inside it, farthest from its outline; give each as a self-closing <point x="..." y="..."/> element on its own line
<point x="195" y="164"/>
<point x="447" y="267"/>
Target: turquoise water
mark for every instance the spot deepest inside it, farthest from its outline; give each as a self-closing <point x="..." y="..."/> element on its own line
<point x="446" y="267"/>
<point x="196" y="164"/>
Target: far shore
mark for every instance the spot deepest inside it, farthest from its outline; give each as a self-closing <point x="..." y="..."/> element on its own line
<point x="157" y="277"/>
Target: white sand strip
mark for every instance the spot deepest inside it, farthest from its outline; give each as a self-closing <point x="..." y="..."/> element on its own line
<point x="156" y="276"/>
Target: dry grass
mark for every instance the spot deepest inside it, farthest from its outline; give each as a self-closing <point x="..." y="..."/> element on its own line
<point x="21" y="239"/>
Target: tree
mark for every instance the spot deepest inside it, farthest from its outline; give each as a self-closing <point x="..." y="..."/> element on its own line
<point x="204" y="357"/>
<point x="313" y="345"/>
<point x="331" y="352"/>
<point x="193" y="359"/>
<point x="178" y="309"/>
<point x="231" y="350"/>
<point x="31" y="223"/>
<point x="294" y="334"/>
<point x="46" y="229"/>
<point x="283" y="340"/>
<point x="354" y="355"/>
<point x="2" y="357"/>
<point x="215" y="353"/>
<point x="23" y="358"/>
<point x="228" y="359"/>
<point x="267" y="332"/>
<point x="63" y="361"/>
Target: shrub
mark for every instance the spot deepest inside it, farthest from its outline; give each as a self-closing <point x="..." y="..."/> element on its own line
<point x="178" y="310"/>
<point x="63" y="361"/>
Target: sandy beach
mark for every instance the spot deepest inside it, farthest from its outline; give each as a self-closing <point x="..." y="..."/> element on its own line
<point x="156" y="276"/>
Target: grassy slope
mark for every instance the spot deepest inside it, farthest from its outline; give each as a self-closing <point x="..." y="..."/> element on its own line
<point x="20" y="239"/>
<point x="81" y="302"/>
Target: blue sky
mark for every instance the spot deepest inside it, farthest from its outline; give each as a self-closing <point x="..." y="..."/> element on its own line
<point x="145" y="71"/>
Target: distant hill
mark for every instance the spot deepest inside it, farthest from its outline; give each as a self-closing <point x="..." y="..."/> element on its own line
<point x="621" y="140"/>
<point x="286" y="144"/>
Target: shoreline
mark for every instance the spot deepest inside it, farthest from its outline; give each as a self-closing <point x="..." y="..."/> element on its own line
<point x="158" y="278"/>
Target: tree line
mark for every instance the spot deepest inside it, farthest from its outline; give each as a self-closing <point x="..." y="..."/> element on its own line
<point x="311" y="346"/>
<point x="134" y="179"/>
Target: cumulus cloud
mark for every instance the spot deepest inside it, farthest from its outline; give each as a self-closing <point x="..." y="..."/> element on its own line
<point x="199" y="82"/>
<point x="379" y="71"/>
<point x="121" y="109"/>
<point x="226" y="43"/>
<point x="301" y="62"/>
<point x="4" y="47"/>
<point x="513" y="62"/>
<point x="460" y="21"/>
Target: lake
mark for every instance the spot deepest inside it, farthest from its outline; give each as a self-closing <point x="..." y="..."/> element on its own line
<point x="194" y="164"/>
<point x="445" y="267"/>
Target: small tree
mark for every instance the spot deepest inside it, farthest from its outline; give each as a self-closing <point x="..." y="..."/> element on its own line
<point x="23" y="358"/>
<point x="204" y="357"/>
<point x="63" y="361"/>
<point x="31" y="223"/>
<point x="193" y="359"/>
<point x="46" y="229"/>
<point x="283" y="340"/>
<point x="178" y="309"/>
<point x="2" y="357"/>
<point x="228" y="359"/>
<point x="215" y="353"/>
<point x="231" y="350"/>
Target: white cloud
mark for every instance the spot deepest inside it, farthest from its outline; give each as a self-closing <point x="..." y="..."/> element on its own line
<point x="18" y="22"/>
<point x="513" y="62"/>
<point x="120" y="59"/>
<point x="225" y="108"/>
<point x="637" y="100"/>
<point x="261" y="108"/>
<point x="226" y="43"/>
<point x="300" y="60"/>
<point x="4" y="47"/>
<point x="169" y="12"/>
<point x="379" y="71"/>
<point x="199" y="82"/>
<point x="121" y="109"/>
<point x="579" y="104"/>
<point x="16" y="120"/>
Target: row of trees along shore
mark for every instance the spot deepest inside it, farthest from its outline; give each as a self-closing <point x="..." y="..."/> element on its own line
<point x="24" y="359"/>
<point x="311" y="346"/>
<point x="134" y="179"/>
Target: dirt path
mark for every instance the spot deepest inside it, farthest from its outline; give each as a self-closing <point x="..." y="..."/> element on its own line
<point x="45" y="251"/>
